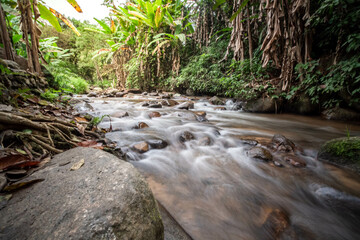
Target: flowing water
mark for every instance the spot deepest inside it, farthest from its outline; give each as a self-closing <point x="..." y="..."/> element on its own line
<point x="215" y="191"/>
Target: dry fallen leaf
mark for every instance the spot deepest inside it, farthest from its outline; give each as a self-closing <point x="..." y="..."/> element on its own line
<point x="77" y="165"/>
<point x="81" y="119"/>
<point x="81" y="128"/>
<point x="20" y="185"/>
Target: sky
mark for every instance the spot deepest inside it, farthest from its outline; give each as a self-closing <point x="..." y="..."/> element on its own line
<point x="90" y="8"/>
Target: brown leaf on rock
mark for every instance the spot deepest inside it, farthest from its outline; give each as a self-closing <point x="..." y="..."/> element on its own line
<point x="21" y="185"/>
<point x="77" y="165"/>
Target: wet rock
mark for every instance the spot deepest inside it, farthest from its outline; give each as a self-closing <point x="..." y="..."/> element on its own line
<point x="157" y="143"/>
<point x="295" y="161"/>
<point x="145" y="104"/>
<point x="189" y="92"/>
<point x="92" y="94"/>
<point x="276" y="223"/>
<point x="186" y="105"/>
<point x="120" y="94"/>
<point x="169" y="102"/>
<point x="190" y="116"/>
<point x="205" y="141"/>
<point x="106" y="198"/>
<point x="120" y="114"/>
<point x="200" y="116"/>
<point x="342" y="151"/>
<point x="186" y="136"/>
<point x="154" y="114"/>
<point x="261" y="105"/>
<point x="277" y="164"/>
<point x="302" y="105"/>
<point x="220" y="108"/>
<point x="250" y="142"/>
<point x="141" y="125"/>
<point x="216" y="101"/>
<point x="141" y="147"/>
<point x="260" y="153"/>
<point x="177" y="95"/>
<point x="166" y="96"/>
<point x="3" y="182"/>
<point x="156" y="105"/>
<point x="134" y="91"/>
<point x="153" y="94"/>
<point x="144" y="93"/>
<point x="343" y="114"/>
<point x="282" y="144"/>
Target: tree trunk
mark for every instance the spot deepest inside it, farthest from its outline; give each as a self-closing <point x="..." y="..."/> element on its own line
<point x="249" y="34"/>
<point x="29" y="27"/>
<point x="5" y="37"/>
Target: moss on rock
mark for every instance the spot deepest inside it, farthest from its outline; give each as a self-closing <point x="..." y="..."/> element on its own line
<point x="342" y="151"/>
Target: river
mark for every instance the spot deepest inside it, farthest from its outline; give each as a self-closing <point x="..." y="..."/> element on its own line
<point x="215" y="191"/>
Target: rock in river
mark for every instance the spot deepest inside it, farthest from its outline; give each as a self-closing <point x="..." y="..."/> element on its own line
<point x="186" y="136"/>
<point x="106" y="198"/>
<point x="186" y="105"/>
<point x="154" y="115"/>
<point x="141" y="147"/>
<point x="216" y="101"/>
<point x="260" y="153"/>
<point x="342" y="151"/>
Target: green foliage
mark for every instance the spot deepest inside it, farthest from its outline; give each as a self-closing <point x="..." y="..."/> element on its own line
<point x="340" y="79"/>
<point x="206" y="74"/>
<point x="65" y="78"/>
<point x="50" y="95"/>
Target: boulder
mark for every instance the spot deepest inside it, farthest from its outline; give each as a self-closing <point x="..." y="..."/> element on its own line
<point x="92" y="94"/>
<point x="169" y="102"/>
<point x="342" y="151"/>
<point x="200" y="116"/>
<point x="157" y="143"/>
<point x="141" y="125"/>
<point x="302" y="105"/>
<point x="154" y="115"/>
<point x="105" y="198"/>
<point x="134" y="91"/>
<point x="153" y="94"/>
<point x="261" y="105"/>
<point x="260" y="153"/>
<point x="155" y="105"/>
<point x="186" y="105"/>
<point x="120" y="114"/>
<point x="342" y="114"/>
<point x="186" y="136"/>
<point x="282" y="144"/>
<point x="166" y="96"/>
<point x="144" y="93"/>
<point x="189" y="92"/>
<point x="220" y="108"/>
<point x="141" y="147"/>
<point x="216" y="101"/>
<point x="120" y="94"/>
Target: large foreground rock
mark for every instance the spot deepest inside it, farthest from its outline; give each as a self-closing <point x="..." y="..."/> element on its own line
<point x="106" y="198"/>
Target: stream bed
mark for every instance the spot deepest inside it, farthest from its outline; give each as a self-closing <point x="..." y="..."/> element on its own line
<point x="213" y="188"/>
